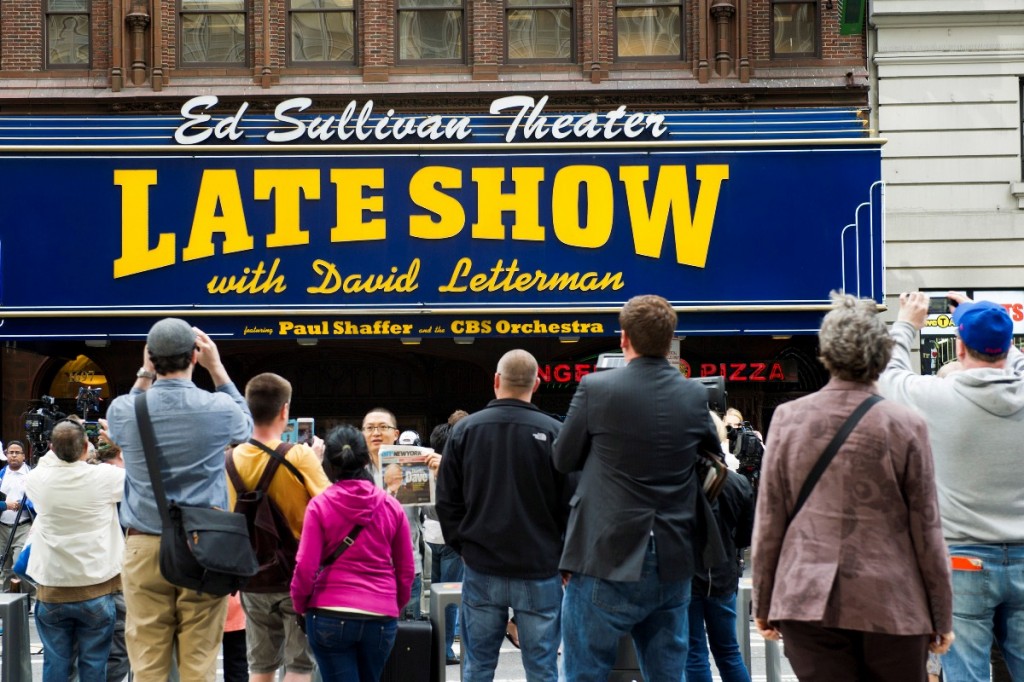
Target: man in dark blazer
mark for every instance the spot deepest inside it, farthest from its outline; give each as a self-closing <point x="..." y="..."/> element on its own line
<point x="629" y="550"/>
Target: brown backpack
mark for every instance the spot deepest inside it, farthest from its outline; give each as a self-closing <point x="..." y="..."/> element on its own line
<point x="269" y="531"/>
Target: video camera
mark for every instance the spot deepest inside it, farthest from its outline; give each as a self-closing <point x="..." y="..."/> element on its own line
<point x="748" y="449"/>
<point x="39" y="424"/>
<point x="88" y="400"/>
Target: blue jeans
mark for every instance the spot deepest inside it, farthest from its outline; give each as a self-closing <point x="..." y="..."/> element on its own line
<point x="987" y="604"/>
<point x="88" y="623"/>
<point x="596" y="613"/>
<point x="349" y="649"/>
<point x="718" y="616"/>
<point x="486" y="600"/>
<point x="446" y="567"/>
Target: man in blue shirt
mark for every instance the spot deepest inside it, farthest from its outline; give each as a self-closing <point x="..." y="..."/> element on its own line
<point x="193" y="427"/>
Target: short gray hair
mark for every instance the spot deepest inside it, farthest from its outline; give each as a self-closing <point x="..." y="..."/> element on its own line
<point x="855" y="344"/>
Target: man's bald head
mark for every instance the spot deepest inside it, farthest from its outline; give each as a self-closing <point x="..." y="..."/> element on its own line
<point x="516" y="375"/>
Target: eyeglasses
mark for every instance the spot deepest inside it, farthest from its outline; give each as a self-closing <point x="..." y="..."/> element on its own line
<point x="15" y="452"/>
<point x="379" y="428"/>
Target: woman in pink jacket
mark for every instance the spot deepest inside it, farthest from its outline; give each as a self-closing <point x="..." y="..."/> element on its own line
<point x="351" y="604"/>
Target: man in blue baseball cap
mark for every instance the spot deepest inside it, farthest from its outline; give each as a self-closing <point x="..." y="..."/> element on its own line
<point x="976" y="427"/>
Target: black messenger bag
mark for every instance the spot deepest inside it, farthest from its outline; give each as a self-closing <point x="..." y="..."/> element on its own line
<point x="201" y="548"/>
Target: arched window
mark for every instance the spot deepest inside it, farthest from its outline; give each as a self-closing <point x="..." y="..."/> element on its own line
<point x="75" y="387"/>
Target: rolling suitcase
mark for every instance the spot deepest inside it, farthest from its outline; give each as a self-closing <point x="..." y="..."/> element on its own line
<point x="411" y="658"/>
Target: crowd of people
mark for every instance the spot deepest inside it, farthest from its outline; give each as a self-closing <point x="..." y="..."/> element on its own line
<point x="888" y="535"/>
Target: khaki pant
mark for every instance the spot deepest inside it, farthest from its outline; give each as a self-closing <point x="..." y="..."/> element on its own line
<point x="161" y="615"/>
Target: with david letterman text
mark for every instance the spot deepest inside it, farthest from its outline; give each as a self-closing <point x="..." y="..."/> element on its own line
<point x="502" y="276"/>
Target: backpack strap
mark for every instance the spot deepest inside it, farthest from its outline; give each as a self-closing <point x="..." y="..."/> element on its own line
<point x="269" y="470"/>
<point x="279" y="455"/>
<point x="236" y="478"/>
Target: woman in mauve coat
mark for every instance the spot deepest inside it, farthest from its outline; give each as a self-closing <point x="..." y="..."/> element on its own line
<point x="858" y="584"/>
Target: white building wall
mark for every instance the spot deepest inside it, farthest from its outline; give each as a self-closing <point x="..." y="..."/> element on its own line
<point x="947" y="95"/>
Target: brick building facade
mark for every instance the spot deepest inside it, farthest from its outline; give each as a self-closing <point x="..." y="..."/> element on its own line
<point x="146" y="55"/>
<point x="138" y="57"/>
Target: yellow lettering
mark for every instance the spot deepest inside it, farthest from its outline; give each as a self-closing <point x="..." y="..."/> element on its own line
<point x="286" y="185"/>
<point x="425" y="191"/>
<point x="136" y="256"/>
<point x="219" y="188"/>
<point x="565" y="206"/>
<point x="352" y="202"/>
<point x="671" y="193"/>
<point x="332" y="280"/>
<point x="462" y="268"/>
<point x="524" y="201"/>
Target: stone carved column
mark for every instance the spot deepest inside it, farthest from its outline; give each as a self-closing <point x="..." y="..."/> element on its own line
<point x="137" y="23"/>
<point x="723" y="12"/>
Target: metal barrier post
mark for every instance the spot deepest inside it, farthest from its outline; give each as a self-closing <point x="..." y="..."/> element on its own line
<point x="441" y="596"/>
<point x="16" y="665"/>
<point x="772" y="661"/>
<point x="743" y="620"/>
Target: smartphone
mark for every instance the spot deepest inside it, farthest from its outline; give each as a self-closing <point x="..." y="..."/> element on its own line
<point x="305" y="430"/>
<point x="940" y="305"/>
<point x="92" y="430"/>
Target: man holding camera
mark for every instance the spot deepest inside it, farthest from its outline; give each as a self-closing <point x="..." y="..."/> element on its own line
<point x="976" y="427"/>
<point x="193" y="427"/>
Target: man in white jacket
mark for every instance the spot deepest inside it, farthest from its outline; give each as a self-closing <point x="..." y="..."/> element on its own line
<point x="77" y="549"/>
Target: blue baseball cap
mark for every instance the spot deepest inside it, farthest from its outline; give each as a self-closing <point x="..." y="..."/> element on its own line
<point x="984" y="326"/>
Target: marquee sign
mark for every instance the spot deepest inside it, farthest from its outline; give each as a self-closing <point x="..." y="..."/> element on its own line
<point x="330" y="225"/>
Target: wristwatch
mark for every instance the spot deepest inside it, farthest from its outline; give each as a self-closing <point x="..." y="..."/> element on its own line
<point x="144" y="373"/>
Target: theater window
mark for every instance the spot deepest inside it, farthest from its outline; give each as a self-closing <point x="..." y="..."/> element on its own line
<point x="539" y="30"/>
<point x="795" y="28"/>
<point x="431" y="30"/>
<point x="646" y="29"/>
<point x="322" y="31"/>
<point x="67" y="34"/>
<point x="212" y="33"/>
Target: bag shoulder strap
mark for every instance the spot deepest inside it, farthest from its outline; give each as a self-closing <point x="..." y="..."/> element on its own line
<point x="345" y="543"/>
<point x="152" y="451"/>
<point x="830" y="452"/>
<point x="279" y="455"/>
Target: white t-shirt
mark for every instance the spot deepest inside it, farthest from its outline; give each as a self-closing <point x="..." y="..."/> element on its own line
<point x="13" y="486"/>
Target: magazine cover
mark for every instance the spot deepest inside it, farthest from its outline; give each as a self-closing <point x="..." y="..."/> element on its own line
<point x="404" y="473"/>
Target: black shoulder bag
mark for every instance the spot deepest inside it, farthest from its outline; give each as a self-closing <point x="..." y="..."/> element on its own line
<point x="830" y="452"/>
<point x="201" y="548"/>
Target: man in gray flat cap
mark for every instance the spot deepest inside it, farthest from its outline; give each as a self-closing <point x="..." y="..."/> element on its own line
<point x="192" y="428"/>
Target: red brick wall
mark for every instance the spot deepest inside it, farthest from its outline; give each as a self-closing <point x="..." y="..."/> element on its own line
<point x="377" y="33"/>
<point x="21" y="35"/>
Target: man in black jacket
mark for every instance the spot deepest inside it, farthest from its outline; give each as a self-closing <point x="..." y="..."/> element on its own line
<point x="630" y="546"/>
<point x="502" y="507"/>
<point x="713" y="600"/>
